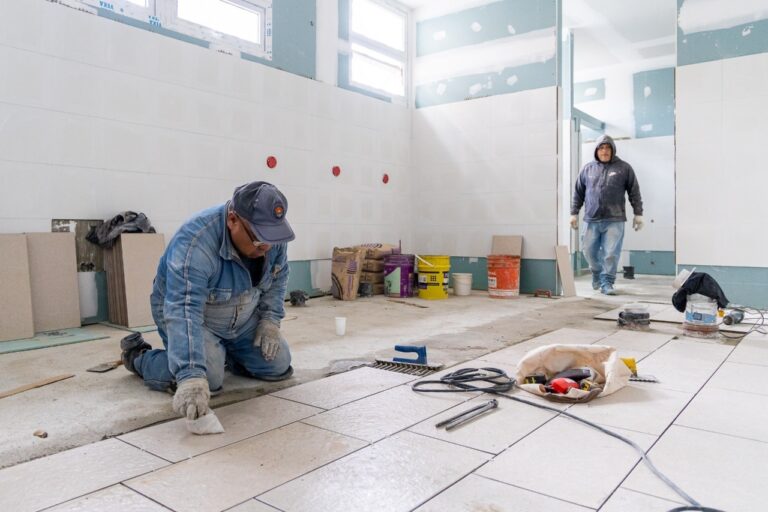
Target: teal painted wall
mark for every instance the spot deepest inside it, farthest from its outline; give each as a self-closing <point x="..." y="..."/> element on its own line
<point x="747" y="39"/>
<point x="660" y="263"/>
<point x="508" y="80"/>
<point x="746" y="286"/>
<point x="294" y="38"/>
<point x="495" y="20"/>
<point x="534" y="274"/>
<point x="654" y="95"/>
<point x="300" y="278"/>
<point x="580" y="90"/>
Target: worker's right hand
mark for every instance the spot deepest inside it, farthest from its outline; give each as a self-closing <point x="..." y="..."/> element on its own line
<point x="574" y="222"/>
<point x="191" y="398"/>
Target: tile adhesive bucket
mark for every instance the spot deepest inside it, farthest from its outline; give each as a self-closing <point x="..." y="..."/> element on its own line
<point x="503" y="276"/>
<point x="399" y="275"/>
<point x="433" y="276"/>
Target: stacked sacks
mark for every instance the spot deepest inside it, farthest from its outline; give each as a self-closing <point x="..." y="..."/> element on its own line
<point x="373" y="265"/>
<point x="346" y="266"/>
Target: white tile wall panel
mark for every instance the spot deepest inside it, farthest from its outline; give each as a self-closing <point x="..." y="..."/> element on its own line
<point x="752" y="74"/>
<point x="699" y="83"/>
<point x="22" y="35"/>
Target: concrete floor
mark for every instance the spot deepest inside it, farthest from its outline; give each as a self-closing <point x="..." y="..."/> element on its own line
<point x="362" y="440"/>
<point x="95" y="406"/>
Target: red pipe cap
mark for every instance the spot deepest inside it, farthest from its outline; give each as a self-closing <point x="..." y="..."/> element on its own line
<point x="385" y="178"/>
<point x="271" y="162"/>
<point x="336" y="170"/>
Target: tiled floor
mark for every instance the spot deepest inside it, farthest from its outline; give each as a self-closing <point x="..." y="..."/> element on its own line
<point x="365" y="441"/>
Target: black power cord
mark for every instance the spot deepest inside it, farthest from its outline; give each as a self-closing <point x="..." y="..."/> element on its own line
<point x="497" y="382"/>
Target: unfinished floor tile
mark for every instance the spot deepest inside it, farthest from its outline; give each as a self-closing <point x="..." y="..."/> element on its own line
<point x="52" y="480"/>
<point x="739" y="377"/>
<point x="343" y="388"/>
<point x="642" y="407"/>
<point x="625" y="500"/>
<point x="728" y="412"/>
<point x="172" y="441"/>
<point x="117" y="498"/>
<point x="231" y="475"/>
<point x="396" y="474"/>
<point x="481" y="494"/>
<point x="563" y="443"/>
<point x="493" y="431"/>
<point x="375" y="417"/>
<point x="510" y="355"/>
<point x="753" y="349"/>
<point x="719" y="471"/>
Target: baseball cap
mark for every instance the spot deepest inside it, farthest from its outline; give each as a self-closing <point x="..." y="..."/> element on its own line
<point x="263" y="207"/>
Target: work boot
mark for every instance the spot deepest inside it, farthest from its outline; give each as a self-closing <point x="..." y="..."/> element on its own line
<point x="132" y="346"/>
<point x="608" y="290"/>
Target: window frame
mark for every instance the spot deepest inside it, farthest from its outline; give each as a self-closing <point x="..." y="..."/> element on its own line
<point x="164" y="13"/>
<point x="355" y="38"/>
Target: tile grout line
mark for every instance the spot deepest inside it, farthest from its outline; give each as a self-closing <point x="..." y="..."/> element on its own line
<point x="144" y="495"/>
<point x="733" y="436"/>
<point x="650" y="448"/>
<point x="536" y="492"/>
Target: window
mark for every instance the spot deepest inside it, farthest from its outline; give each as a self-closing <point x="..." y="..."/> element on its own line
<point x="377" y="36"/>
<point x="244" y="25"/>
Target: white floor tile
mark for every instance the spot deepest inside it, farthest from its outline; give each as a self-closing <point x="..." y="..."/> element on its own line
<point x="481" y="494"/>
<point x="52" y="480"/>
<point x="602" y="460"/>
<point x="624" y="500"/>
<point x="396" y="474"/>
<point x="728" y="412"/>
<point x="375" y="417"/>
<point x="739" y="377"/>
<point x="636" y="340"/>
<point x="751" y="350"/>
<point x="719" y="471"/>
<point x="172" y="440"/>
<point x="491" y="432"/>
<point x="511" y="355"/>
<point x="252" y="506"/>
<point x="117" y="497"/>
<point x="230" y="475"/>
<point x="684" y="365"/>
<point x="642" y="407"/>
<point x="346" y="387"/>
<point x="568" y="336"/>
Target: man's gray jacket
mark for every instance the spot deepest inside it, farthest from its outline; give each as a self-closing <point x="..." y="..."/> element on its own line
<point x="602" y="185"/>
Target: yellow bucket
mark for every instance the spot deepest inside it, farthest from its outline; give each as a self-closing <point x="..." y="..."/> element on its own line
<point x="433" y="276"/>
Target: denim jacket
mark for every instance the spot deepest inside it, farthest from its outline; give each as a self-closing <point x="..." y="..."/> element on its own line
<point x="201" y="282"/>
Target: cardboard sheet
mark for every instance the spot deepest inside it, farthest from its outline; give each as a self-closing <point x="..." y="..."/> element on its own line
<point x="53" y="276"/>
<point x="15" y="290"/>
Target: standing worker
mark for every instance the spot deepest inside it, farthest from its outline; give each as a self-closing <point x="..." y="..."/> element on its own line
<point x="218" y="299"/>
<point x="601" y="185"/>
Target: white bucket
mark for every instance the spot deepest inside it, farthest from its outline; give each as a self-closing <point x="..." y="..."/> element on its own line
<point x="462" y="284"/>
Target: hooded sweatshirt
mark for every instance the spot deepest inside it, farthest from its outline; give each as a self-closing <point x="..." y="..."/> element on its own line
<point x="601" y="186"/>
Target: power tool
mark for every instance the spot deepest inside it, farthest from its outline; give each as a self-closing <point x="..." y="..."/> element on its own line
<point x="735" y="316"/>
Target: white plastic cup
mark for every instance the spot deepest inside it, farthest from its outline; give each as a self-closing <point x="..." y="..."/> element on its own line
<point x="341" y="325"/>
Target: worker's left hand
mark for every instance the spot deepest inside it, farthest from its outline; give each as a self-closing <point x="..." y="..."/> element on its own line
<point x="268" y="337"/>
<point x="637" y="223"/>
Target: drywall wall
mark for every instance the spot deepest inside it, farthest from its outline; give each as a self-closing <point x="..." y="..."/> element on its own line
<point x="497" y="47"/>
<point x="98" y="117"/>
<point x="721" y="131"/>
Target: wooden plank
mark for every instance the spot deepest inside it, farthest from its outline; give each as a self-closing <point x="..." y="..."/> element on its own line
<point x="16" y="321"/>
<point x="34" y="385"/>
<point x="53" y="277"/>
<point x="565" y="270"/>
<point x="509" y="244"/>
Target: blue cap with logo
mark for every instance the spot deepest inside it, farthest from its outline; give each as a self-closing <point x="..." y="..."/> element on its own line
<point x="263" y="207"/>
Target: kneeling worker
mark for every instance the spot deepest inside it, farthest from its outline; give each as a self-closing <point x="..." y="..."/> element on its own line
<point x="218" y="299"/>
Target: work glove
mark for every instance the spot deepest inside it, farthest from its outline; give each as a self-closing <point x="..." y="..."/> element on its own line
<point x="637" y="222"/>
<point x="268" y="337"/>
<point x="191" y="398"/>
<point x="574" y="222"/>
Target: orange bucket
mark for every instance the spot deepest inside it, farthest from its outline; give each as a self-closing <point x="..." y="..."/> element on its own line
<point x="503" y="276"/>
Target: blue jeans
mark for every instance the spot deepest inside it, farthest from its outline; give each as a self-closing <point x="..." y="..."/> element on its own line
<point x="225" y="343"/>
<point x="601" y="243"/>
